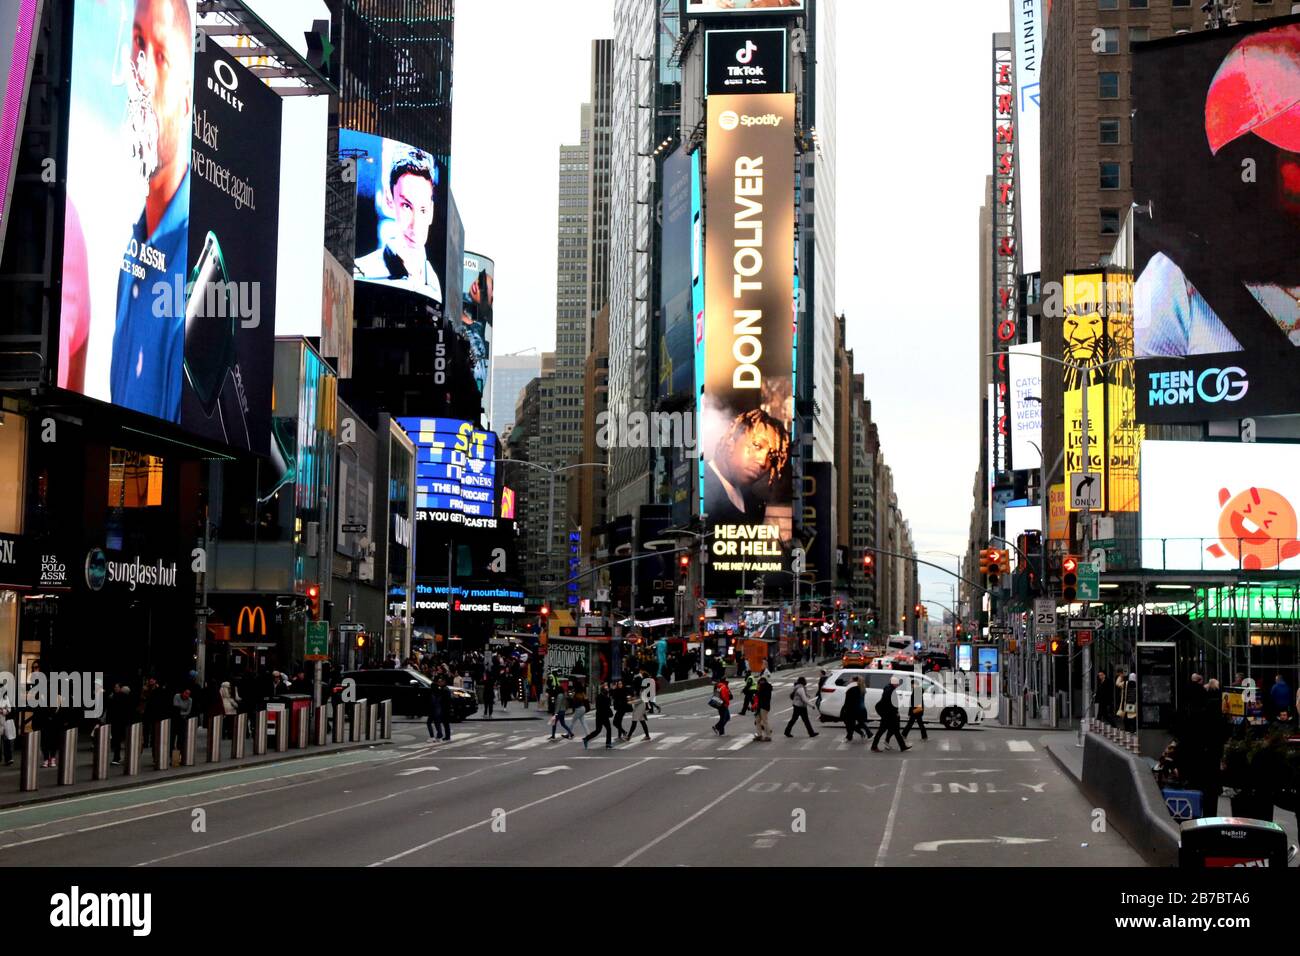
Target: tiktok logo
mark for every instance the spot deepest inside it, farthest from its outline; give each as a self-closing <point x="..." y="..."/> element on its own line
<point x="747" y="54"/>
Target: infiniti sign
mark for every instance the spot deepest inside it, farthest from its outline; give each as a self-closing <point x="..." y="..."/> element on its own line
<point x="1186" y="387"/>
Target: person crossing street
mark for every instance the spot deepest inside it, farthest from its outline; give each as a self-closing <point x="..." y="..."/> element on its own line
<point x="604" y="710"/>
<point x="887" y="708"/>
<point x="799" y="698"/>
<point x="916" y="712"/>
<point x="723" y="693"/>
<point x="762" y="728"/>
<point x="747" y="694"/>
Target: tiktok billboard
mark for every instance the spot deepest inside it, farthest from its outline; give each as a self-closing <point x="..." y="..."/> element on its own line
<point x="747" y="402"/>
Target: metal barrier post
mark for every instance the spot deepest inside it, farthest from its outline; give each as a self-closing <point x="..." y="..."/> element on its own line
<point x="68" y="758"/>
<point x="321" y="717"/>
<point x="134" y="737"/>
<point x="102" y="740"/>
<point x="304" y="730"/>
<point x="189" y="741"/>
<point x="282" y="731"/>
<point x="372" y="722"/>
<point x="259" y="733"/>
<point x="238" y="728"/>
<point x="339" y="719"/>
<point x="215" y="727"/>
<point x="31" y="756"/>
<point x="386" y="718"/>
<point x="358" y="717"/>
<point x="162" y="744"/>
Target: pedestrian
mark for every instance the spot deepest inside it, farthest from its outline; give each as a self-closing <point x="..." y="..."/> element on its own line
<point x="579" y="700"/>
<point x="489" y="691"/>
<point x="853" y="708"/>
<point x="887" y="708"/>
<point x="722" y="694"/>
<point x="556" y="705"/>
<point x="619" y="695"/>
<point x="1128" y="710"/>
<point x="821" y="682"/>
<point x="916" y="713"/>
<point x="638" y="716"/>
<point x="49" y="720"/>
<point x="1101" y="695"/>
<point x="230" y="701"/>
<point x="182" y="707"/>
<point x="799" y="698"/>
<point x="503" y="678"/>
<point x="434" y="723"/>
<point x="1249" y="692"/>
<point x="1211" y="731"/>
<point x="747" y="694"/>
<point x="649" y="690"/>
<point x="120" y="711"/>
<point x="443" y="691"/>
<point x="1279" y="696"/>
<point x="763" y="710"/>
<point x="604" y="709"/>
<point x="8" y="726"/>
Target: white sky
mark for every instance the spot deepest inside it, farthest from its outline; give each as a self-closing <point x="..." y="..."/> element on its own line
<point x="914" y="148"/>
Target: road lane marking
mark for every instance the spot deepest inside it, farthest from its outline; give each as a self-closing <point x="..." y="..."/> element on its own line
<point x="492" y="819"/>
<point x="742" y="742"/>
<point x="528" y="744"/>
<point x="415" y="770"/>
<point x="462" y="741"/>
<point x="933" y="845"/>
<point x="547" y="771"/>
<point x="1020" y="746"/>
<point x="687" y="771"/>
<point x="696" y="815"/>
<point x="666" y="742"/>
<point x="893" y="815"/>
<point x="947" y="744"/>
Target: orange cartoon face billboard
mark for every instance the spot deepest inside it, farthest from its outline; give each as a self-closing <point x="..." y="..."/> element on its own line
<point x="1258" y="527"/>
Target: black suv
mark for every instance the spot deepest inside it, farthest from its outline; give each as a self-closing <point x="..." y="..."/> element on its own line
<point x="409" y="691"/>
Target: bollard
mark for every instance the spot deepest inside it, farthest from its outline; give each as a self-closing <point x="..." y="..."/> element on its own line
<point x="162" y="743"/>
<point x="259" y="733"/>
<point x="339" y="711"/>
<point x="358" y="720"/>
<point x="321" y="720"/>
<point x="103" y="742"/>
<point x="304" y="730"/>
<point x="31" y="758"/>
<point x="189" y="741"/>
<point x="134" y="736"/>
<point x="215" y="726"/>
<point x="238" y="728"/>
<point x="386" y="718"/>
<point x="372" y="722"/>
<point x="68" y="758"/>
<point x="282" y="731"/>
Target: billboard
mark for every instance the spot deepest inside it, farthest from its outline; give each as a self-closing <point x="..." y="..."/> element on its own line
<point x="336" y="315"/>
<point x="18" y="23"/>
<point x="1220" y="507"/>
<point x="676" y="347"/>
<point x="1216" y="174"/>
<point x="401" y="214"/>
<point x="1098" y="327"/>
<point x="1026" y="407"/>
<point x="746" y="407"/>
<point x="1030" y="38"/>
<point x="1019" y="520"/>
<point x="1003" y="256"/>
<point x="745" y="61"/>
<point x="169" y="264"/>
<point x="704" y="8"/>
<point x="818" y="529"/>
<point x="478" y="291"/>
<point x="455" y="470"/>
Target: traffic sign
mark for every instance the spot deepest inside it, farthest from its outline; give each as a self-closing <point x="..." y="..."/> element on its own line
<point x="999" y="630"/>
<point x="1085" y="624"/>
<point x="1088" y="589"/>
<point x="318" y="641"/>
<point x="1045" y="613"/>
<point x="1040" y="647"/>
<point x="1083" y="638"/>
<point x="1085" y="490"/>
<point x="354" y="529"/>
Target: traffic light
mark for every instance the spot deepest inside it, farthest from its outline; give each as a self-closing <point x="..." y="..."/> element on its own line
<point x="313" y="601"/>
<point x="1056" y="645"/>
<point x="684" y="564"/>
<point x="1069" y="578"/>
<point x="868" y="563"/>
<point x="361" y="639"/>
<point x="1004" y="561"/>
<point x="988" y="565"/>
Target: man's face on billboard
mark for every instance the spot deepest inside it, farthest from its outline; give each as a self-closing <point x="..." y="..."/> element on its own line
<point x="413" y="200"/>
<point x="750" y="454"/>
<point x="162" y="55"/>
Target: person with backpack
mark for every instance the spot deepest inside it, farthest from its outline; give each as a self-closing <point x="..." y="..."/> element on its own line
<point x="604" y="710"/>
<point x="556" y="705"/>
<point x="763" y="729"/>
<point x="887" y="708"/>
<point x="799" y="698"/>
<point x="579" y="700"/>
<point x="751" y="686"/>
<point x="721" y="694"/>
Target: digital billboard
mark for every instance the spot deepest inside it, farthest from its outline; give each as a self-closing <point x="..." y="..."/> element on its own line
<point x="1026" y="407"/>
<point x="169" y="265"/>
<point x="1216" y="177"/>
<point x="478" y="290"/>
<point x="1220" y="506"/>
<point x="401" y="214"/>
<point x="1098" y="327"/>
<point x="701" y="8"/>
<point x="747" y="404"/>
<point x="18" y="22"/>
<point x="1030" y="38"/>
<point x="336" y="315"/>
<point x="745" y="61"/>
<point x="676" y="347"/>
<point x="455" y="471"/>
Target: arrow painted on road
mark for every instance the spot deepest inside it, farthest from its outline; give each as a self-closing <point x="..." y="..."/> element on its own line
<point x="767" y="838"/>
<point x="934" y="845"/>
<point x="687" y="771"/>
<point x="549" y="770"/>
<point x="935" y="773"/>
<point x="828" y="768"/>
<point x="415" y="770"/>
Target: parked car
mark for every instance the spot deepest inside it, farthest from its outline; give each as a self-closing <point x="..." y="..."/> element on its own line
<point x="935" y="661"/>
<point x="409" y="691"/>
<point x="952" y="709"/>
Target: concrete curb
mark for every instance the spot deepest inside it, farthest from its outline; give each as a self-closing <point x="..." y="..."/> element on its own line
<point x="1121" y="784"/>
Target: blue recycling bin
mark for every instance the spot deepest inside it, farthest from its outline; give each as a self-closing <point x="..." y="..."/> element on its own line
<point x="1183" y="804"/>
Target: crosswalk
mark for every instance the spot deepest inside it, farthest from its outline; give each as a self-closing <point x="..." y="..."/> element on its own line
<point x="938" y="745"/>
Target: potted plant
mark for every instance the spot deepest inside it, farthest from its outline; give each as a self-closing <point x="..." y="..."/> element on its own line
<point x="1261" y="771"/>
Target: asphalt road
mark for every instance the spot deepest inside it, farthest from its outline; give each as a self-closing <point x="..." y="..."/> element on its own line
<point x="505" y="795"/>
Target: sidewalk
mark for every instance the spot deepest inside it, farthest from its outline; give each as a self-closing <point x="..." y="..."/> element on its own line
<point x="10" y="777"/>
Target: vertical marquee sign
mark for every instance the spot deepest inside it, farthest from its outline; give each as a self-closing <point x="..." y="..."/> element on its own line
<point x="1004" y="252"/>
<point x="747" y="403"/>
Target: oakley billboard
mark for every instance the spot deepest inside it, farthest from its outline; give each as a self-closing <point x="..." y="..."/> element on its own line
<point x="747" y="400"/>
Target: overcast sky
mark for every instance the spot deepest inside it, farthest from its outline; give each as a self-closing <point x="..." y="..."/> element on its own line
<point x="914" y="148"/>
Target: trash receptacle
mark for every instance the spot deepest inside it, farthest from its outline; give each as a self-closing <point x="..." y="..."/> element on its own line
<point x="297" y="708"/>
<point x="1183" y="804"/>
<point x="1232" y="842"/>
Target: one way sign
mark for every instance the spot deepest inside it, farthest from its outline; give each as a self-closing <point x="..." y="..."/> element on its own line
<point x="1085" y="491"/>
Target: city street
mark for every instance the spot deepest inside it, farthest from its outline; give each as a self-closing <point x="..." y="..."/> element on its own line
<point x="506" y="795"/>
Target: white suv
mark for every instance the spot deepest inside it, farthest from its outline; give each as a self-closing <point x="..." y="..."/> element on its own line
<point x="953" y="709"/>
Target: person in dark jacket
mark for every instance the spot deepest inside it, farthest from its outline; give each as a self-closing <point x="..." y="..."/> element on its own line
<point x="619" y="696"/>
<point x="887" y="708"/>
<point x="489" y="690"/>
<point x="916" y="710"/>
<point x="442" y="691"/>
<point x="434" y="723"/>
<point x="1211" y="733"/>
<point x="121" y="712"/>
<point x="604" y="709"/>
<point x="762" y="728"/>
<point x="852" y="710"/>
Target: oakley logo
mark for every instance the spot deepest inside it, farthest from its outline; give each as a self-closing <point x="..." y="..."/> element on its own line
<point x="1211" y="386"/>
<point x="225" y="74"/>
<point x="746" y="54"/>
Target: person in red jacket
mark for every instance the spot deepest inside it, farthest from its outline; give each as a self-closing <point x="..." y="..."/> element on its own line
<point x="724" y="712"/>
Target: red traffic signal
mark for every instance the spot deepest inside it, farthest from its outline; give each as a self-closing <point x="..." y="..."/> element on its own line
<point x="545" y="610"/>
<point x="1069" y="578"/>
<point x="684" y="563"/>
<point x="313" y="601"/>
<point x="868" y="563"/>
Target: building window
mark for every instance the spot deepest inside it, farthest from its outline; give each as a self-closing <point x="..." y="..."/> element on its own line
<point x="1107" y="4"/>
<point x="1109" y="176"/>
<point x="1138" y="35"/>
<point x="1110" y="222"/>
<point x="1108" y="85"/>
<point x="1137" y="4"/>
<point x="1181" y="3"/>
<point x="1110" y="36"/>
<point x="1108" y="132"/>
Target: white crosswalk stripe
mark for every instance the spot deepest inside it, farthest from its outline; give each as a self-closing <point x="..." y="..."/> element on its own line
<point x="947" y="744"/>
<point x="742" y="742"/>
<point x="825" y="742"/>
<point x="529" y="744"/>
<point x="665" y="742"/>
<point x="1020" y="746"/>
